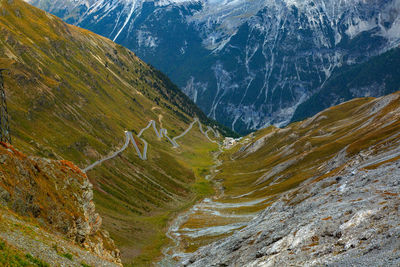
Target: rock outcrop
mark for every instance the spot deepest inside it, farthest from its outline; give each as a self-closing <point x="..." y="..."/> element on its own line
<point x="57" y="195"/>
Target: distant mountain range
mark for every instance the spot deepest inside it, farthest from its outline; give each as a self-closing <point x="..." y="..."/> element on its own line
<point x="247" y="64"/>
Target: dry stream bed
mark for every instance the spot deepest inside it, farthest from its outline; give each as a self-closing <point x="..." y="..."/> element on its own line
<point x="210" y="219"/>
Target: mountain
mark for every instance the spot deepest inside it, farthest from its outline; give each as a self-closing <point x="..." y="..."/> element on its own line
<point x="323" y="191"/>
<point x="116" y="147"/>
<point x="247" y="64"/>
<point x="76" y="96"/>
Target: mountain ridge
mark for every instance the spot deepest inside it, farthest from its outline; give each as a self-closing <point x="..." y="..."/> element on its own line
<point x="72" y="95"/>
<point x="377" y="76"/>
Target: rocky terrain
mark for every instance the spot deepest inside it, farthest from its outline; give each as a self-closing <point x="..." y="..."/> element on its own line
<point x="348" y="219"/>
<point x="43" y="201"/>
<point x="285" y="194"/>
<point x="248" y="64"/>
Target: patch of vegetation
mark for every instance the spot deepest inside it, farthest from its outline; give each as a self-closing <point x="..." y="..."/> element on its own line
<point x="36" y="261"/>
<point x="9" y="256"/>
<point x="67" y="255"/>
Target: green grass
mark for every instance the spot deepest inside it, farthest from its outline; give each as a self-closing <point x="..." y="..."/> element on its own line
<point x="67" y="256"/>
<point x="9" y="256"/>
<point x="36" y="261"/>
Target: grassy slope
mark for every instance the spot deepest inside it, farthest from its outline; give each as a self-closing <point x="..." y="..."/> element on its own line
<point x="71" y="94"/>
<point x="311" y="144"/>
<point x="24" y="242"/>
<point x="304" y="150"/>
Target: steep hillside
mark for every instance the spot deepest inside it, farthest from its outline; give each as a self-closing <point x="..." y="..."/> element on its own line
<point x="247" y="64"/>
<point x="290" y="175"/>
<point x="72" y="94"/>
<point x="53" y="201"/>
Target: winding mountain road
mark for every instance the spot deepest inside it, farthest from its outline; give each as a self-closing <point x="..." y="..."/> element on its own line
<point x="108" y="157"/>
<point x="160" y="134"/>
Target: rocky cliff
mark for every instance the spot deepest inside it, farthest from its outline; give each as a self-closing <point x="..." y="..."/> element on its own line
<point x="56" y="195"/>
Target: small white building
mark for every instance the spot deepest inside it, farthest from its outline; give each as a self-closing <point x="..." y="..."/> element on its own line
<point x="229" y="142"/>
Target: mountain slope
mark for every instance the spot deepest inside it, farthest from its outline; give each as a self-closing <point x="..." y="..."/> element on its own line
<point x="71" y="95"/>
<point x="75" y="95"/>
<point x="247" y="64"/>
<point x="380" y="75"/>
<point x="276" y="181"/>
